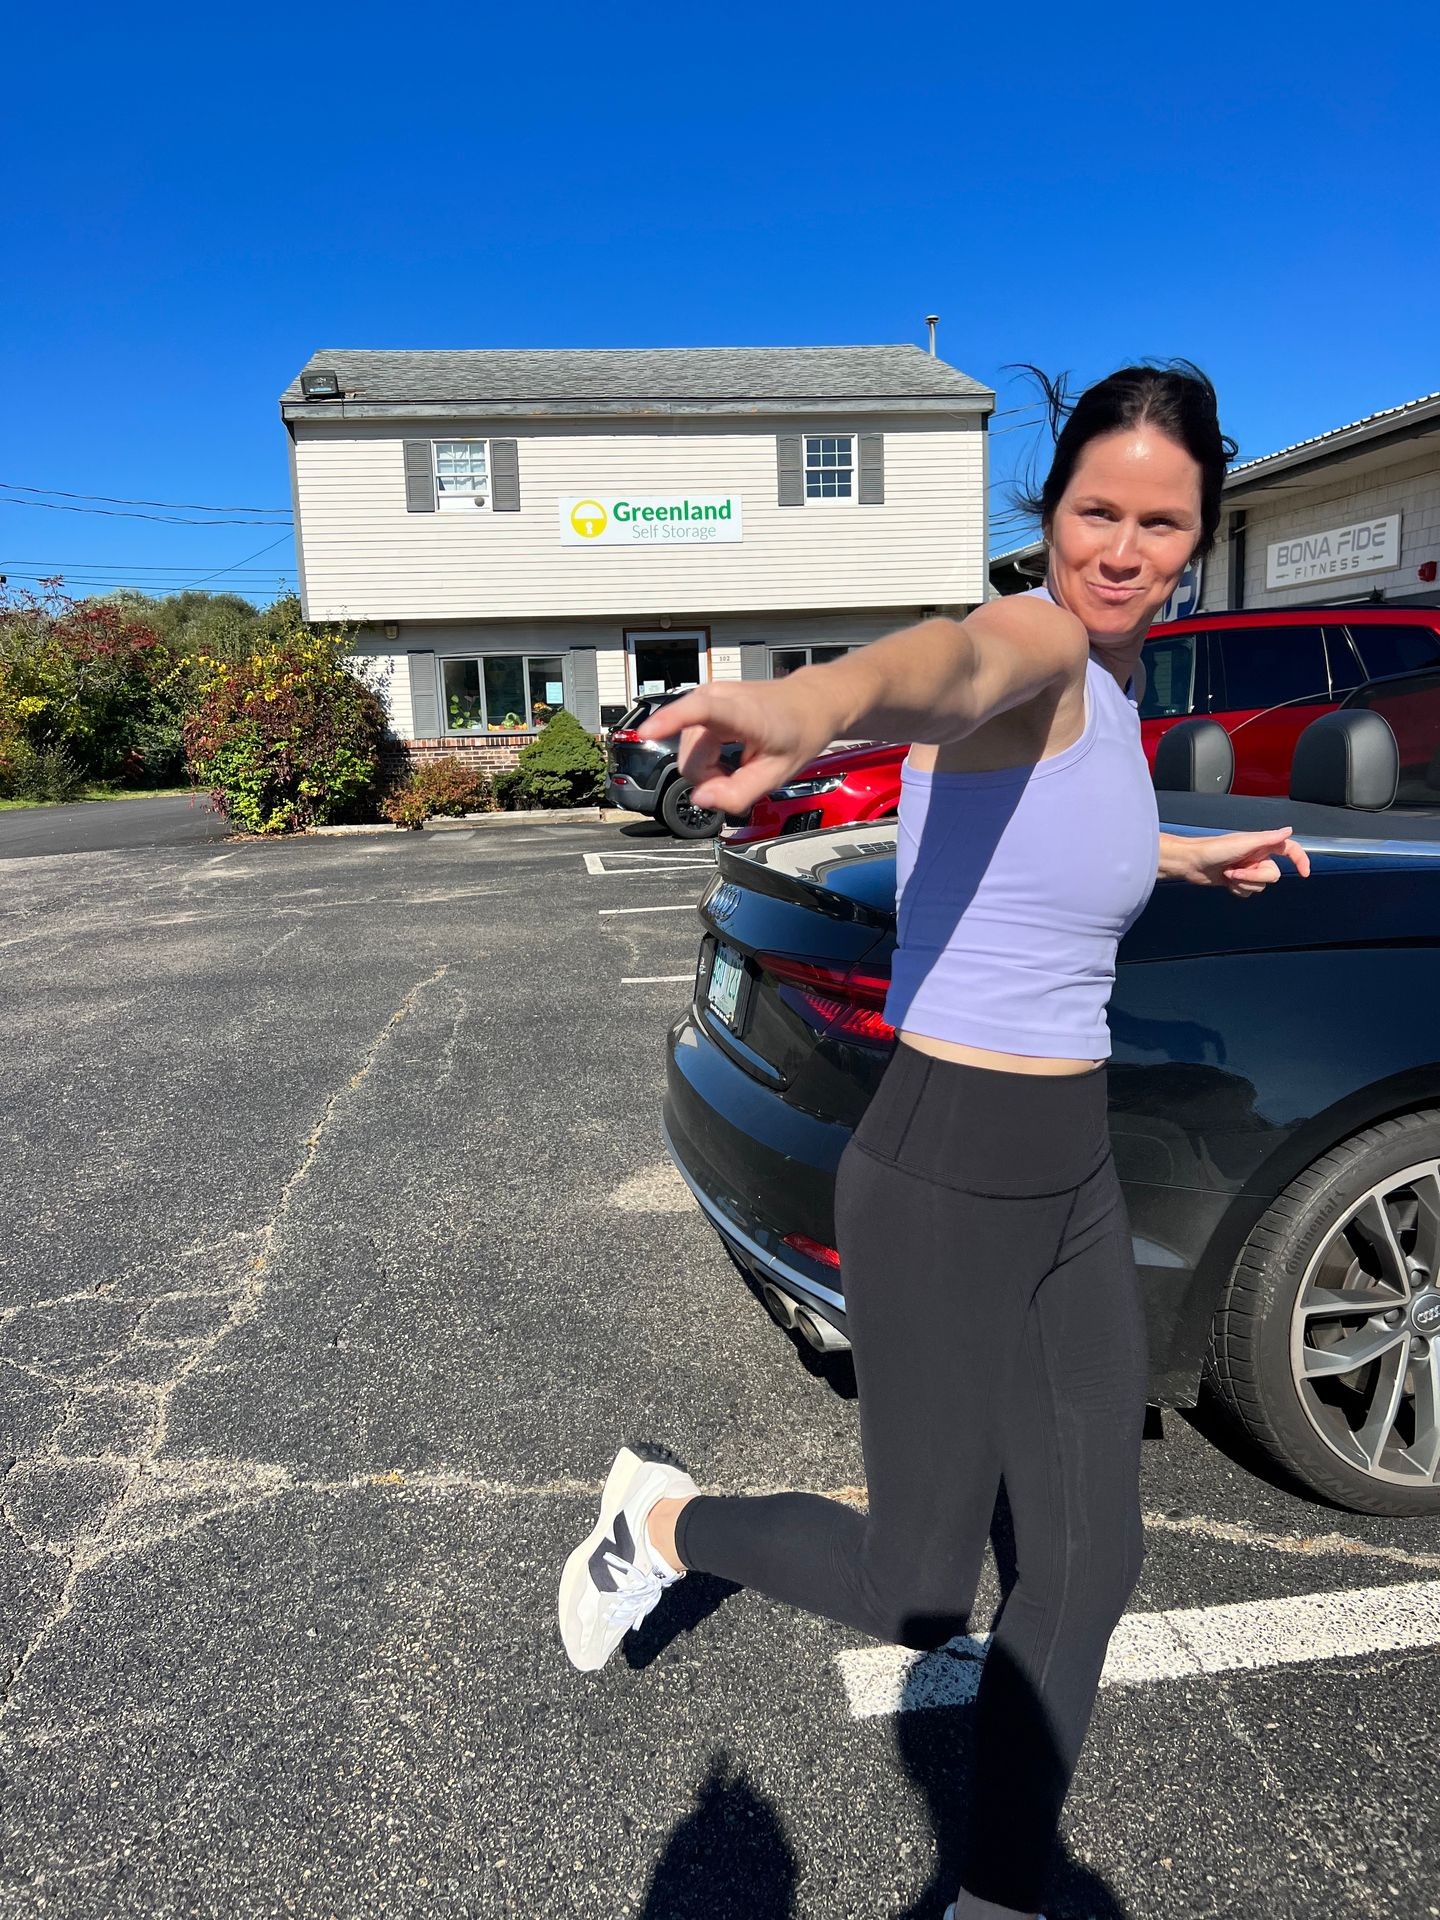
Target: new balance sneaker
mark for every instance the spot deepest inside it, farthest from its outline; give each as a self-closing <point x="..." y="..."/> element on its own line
<point x="949" y="1913"/>
<point x="613" y="1579"/>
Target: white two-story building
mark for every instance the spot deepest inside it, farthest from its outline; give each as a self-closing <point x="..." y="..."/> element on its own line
<point x="511" y="531"/>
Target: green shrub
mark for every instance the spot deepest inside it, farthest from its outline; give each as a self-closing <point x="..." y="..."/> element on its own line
<point x="285" y="737"/>
<point x="562" y="767"/>
<point x="437" y="787"/>
<point x="43" y="773"/>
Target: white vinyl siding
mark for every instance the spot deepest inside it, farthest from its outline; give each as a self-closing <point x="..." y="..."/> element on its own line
<point x="365" y="557"/>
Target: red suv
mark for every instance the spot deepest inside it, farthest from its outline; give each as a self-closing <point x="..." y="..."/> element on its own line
<point x="1263" y="676"/>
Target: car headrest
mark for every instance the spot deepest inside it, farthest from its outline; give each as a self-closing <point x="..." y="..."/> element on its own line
<point x="1346" y="759"/>
<point x="1195" y="757"/>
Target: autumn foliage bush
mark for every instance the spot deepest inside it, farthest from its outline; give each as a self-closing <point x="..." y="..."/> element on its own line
<point x="286" y="736"/>
<point x="87" y="692"/>
<point x="437" y="787"/>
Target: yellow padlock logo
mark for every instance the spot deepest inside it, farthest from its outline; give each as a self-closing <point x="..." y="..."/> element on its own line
<point x="588" y="518"/>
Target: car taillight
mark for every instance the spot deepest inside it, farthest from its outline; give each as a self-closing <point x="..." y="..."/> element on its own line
<point x="816" y="1249"/>
<point x="627" y="734"/>
<point x="843" y="1002"/>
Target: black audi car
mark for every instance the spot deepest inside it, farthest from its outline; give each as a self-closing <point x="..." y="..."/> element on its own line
<point x="1274" y="1089"/>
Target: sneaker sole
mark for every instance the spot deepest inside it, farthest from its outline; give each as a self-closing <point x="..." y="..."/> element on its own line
<point x="577" y="1568"/>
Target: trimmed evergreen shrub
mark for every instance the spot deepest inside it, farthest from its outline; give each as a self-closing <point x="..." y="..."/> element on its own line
<point x="562" y="767"/>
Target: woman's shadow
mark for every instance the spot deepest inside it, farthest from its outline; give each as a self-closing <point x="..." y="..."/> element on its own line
<point x="731" y="1858"/>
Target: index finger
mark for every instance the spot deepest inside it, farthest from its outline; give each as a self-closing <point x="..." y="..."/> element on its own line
<point x="690" y="710"/>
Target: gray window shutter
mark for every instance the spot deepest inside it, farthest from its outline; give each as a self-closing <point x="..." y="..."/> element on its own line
<point x="419" y="478"/>
<point x="504" y="476"/>
<point x="424" y="697"/>
<point x="582" y="687"/>
<point x="791" y="469"/>
<point x="872" y="470"/>
<point x="754" y="660"/>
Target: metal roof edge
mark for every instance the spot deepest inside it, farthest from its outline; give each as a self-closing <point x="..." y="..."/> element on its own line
<point x="1400" y="423"/>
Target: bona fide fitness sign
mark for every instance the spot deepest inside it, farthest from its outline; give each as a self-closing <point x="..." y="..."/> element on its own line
<point x="1365" y="548"/>
<point x="649" y="519"/>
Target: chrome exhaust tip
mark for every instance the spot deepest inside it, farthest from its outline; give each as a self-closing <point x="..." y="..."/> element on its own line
<point x="819" y="1333"/>
<point x="780" y="1306"/>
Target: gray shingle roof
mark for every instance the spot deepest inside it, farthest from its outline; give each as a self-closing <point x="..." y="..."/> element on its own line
<point x="644" y="375"/>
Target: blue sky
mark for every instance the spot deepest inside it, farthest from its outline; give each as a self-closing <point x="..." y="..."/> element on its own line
<point x="194" y="201"/>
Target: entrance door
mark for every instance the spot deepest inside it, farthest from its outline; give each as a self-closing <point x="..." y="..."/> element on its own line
<point x="662" y="661"/>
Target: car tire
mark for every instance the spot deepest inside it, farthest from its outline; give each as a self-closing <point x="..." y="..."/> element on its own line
<point x="1362" y="1434"/>
<point x="685" y="821"/>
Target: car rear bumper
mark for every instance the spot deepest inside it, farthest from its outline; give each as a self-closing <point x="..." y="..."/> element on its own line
<point x="637" y="799"/>
<point x="760" y="1169"/>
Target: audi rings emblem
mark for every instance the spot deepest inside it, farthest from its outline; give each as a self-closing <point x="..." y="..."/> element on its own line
<point x="723" y="901"/>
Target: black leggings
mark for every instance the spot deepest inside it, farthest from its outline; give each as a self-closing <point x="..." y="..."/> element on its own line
<point x="995" y="1316"/>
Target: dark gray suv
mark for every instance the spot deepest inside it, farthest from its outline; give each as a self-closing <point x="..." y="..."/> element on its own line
<point x="643" y="775"/>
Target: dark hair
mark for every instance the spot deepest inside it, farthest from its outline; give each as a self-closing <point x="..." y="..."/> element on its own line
<point x="1173" y="396"/>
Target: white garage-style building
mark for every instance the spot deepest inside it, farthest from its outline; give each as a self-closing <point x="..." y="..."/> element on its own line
<point x="506" y="532"/>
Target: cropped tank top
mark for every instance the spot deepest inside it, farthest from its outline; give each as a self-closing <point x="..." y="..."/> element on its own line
<point x="1016" y="886"/>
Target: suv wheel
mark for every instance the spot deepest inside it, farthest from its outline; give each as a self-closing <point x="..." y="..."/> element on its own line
<point x="687" y="822"/>
<point x="1326" y="1344"/>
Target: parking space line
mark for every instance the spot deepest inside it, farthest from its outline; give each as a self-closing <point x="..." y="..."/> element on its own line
<point x="1185" y="1643"/>
<point x="686" y="906"/>
<point x="642" y="864"/>
<point x="655" y="979"/>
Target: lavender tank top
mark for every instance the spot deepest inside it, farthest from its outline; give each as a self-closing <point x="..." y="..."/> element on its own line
<point x="1015" y="888"/>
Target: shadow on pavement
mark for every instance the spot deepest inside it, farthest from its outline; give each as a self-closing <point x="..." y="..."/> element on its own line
<point x="729" y="1859"/>
<point x="696" y="1597"/>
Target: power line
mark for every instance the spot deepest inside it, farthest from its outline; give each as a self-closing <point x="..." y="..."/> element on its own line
<point x="100" y="566"/>
<point x="111" y="500"/>
<point x="239" y="563"/>
<point x="120" y="513"/>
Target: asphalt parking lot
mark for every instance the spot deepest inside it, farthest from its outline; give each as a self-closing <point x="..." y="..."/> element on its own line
<point x="338" y="1252"/>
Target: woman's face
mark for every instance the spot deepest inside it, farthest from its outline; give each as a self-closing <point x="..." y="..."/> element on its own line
<point x="1123" y="531"/>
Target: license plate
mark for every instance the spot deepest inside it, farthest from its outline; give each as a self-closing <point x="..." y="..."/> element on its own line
<point x="727" y="977"/>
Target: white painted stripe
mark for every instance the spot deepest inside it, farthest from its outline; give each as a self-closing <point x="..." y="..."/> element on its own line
<point x="686" y="906"/>
<point x="655" y="979"/>
<point x="1184" y="1643"/>
<point x="596" y="864"/>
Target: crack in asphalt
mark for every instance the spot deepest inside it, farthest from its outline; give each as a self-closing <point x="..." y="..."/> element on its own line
<point x="145" y="1477"/>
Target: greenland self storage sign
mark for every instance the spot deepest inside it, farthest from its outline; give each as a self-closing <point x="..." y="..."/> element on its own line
<point x="649" y="519"/>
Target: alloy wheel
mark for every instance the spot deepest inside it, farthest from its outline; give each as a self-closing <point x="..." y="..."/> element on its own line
<point x="1365" y="1332"/>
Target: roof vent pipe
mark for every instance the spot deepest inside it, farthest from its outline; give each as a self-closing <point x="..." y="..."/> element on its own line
<point x="930" y="321"/>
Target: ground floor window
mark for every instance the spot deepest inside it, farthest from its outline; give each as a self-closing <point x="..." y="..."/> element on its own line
<point x="785" y="660"/>
<point x="503" y="692"/>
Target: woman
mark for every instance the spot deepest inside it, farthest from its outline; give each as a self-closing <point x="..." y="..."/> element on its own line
<point x="990" y="1288"/>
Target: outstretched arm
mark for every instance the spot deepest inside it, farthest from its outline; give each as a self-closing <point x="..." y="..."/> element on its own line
<point x="934" y="683"/>
<point x="1245" y="863"/>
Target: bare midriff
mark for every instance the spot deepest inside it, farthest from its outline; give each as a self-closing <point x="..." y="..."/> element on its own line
<point x="996" y="1062"/>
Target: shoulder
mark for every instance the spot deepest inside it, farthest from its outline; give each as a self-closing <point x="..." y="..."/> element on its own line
<point x="1034" y="622"/>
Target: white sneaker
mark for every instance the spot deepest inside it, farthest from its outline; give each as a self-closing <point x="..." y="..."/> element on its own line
<point x="949" y="1913"/>
<point x="612" y="1580"/>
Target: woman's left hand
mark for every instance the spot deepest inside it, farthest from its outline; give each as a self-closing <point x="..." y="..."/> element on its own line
<point x="1244" y="863"/>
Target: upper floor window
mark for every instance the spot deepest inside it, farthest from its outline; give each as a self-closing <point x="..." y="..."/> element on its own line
<point x="829" y="466"/>
<point x="462" y="473"/>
